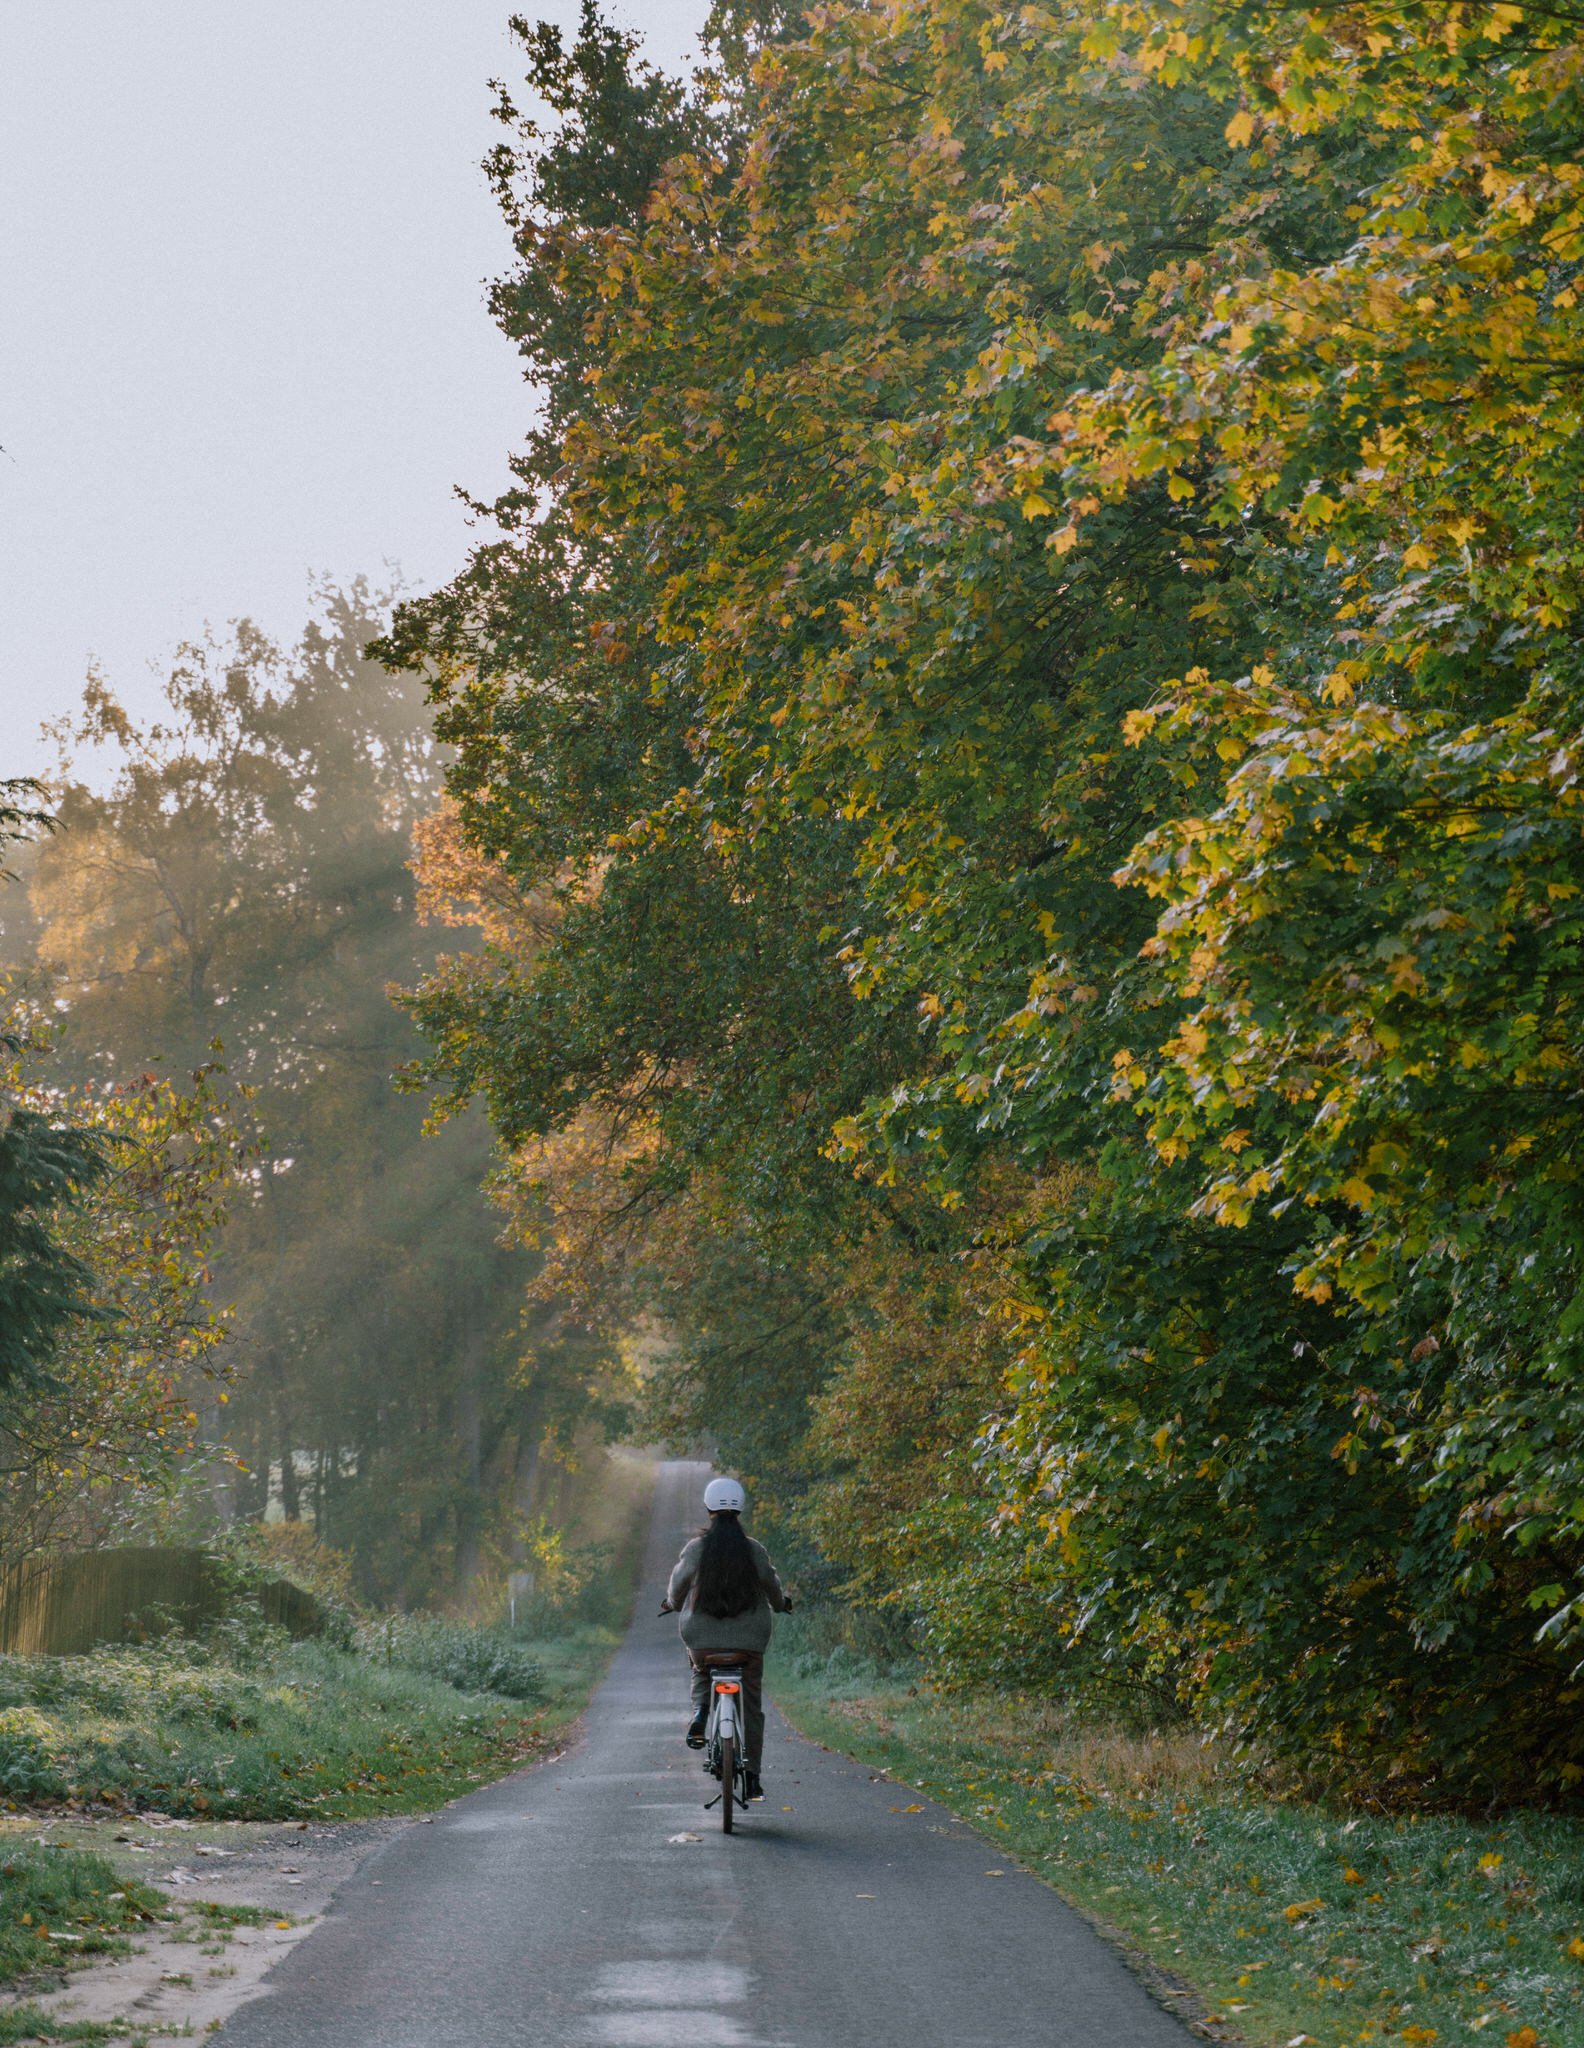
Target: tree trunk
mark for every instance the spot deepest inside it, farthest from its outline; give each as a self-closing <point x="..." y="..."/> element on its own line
<point x="470" y="1434"/>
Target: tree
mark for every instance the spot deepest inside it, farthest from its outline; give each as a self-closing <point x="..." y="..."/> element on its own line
<point x="942" y="404"/>
<point x="238" y="872"/>
<point x="106" y="1440"/>
<point x="46" y="1164"/>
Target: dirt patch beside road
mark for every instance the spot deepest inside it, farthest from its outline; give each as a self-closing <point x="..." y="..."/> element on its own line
<point x="241" y="1894"/>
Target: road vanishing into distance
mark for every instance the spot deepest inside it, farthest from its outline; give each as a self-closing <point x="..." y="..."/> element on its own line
<point x="560" y="1909"/>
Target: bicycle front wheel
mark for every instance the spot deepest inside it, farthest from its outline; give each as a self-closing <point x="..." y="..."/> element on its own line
<point x="728" y="1757"/>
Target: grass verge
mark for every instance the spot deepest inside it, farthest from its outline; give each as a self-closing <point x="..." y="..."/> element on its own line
<point x="30" y="2023"/>
<point x="282" y="1730"/>
<point x="63" y="1905"/>
<point x="1298" y="1925"/>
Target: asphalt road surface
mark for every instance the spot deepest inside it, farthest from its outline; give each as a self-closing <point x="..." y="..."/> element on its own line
<point x="558" y="1909"/>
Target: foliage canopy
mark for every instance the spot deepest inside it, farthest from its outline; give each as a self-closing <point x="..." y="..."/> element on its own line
<point x="1035" y="655"/>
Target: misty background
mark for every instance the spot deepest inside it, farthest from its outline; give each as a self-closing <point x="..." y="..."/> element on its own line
<point x="243" y="338"/>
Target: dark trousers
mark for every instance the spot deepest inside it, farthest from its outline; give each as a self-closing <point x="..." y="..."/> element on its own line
<point x="751" y="1665"/>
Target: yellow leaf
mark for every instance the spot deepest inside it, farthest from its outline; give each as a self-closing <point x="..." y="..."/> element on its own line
<point x="1302" y="1909"/>
<point x="1351" y="1876"/>
<point x="1575" y="1949"/>
<point x="1358" y="1191"/>
<point x="1064" y="541"/>
<point x="1178" y="488"/>
<point x="1240" y="129"/>
<point x="1160" y="1438"/>
<point x="1416" y="557"/>
<point x="1036" y="506"/>
<point x="1490" y="1861"/>
<point x="1524" y="2037"/>
<point x="1137" y="725"/>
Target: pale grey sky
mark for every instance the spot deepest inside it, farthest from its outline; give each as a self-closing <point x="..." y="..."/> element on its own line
<point x="242" y="333"/>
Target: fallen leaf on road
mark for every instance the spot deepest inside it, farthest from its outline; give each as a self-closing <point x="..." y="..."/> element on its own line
<point x="907" y="1809"/>
<point x="863" y="1895"/>
<point x="283" y="1923"/>
<point x="995" y="1873"/>
<point x="684" y="1837"/>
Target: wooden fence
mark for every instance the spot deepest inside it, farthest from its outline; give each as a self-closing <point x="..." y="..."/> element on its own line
<point x="64" y="1606"/>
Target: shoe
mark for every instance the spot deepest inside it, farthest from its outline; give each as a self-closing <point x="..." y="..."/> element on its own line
<point x="695" y="1731"/>
<point x="753" y="1788"/>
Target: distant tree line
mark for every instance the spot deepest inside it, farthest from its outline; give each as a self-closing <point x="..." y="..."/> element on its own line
<point x="268" y="1293"/>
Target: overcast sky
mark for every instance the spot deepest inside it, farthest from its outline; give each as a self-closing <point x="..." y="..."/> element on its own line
<point x="242" y="332"/>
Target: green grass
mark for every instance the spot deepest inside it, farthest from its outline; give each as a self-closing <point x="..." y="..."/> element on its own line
<point x="58" y="1906"/>
<point x="30" y="2023"/>
<point x="1291" y="1920"/>
<point x="217" y="1916"/>
<point x="275" y="1730"/>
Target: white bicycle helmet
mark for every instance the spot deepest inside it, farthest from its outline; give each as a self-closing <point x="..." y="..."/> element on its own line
<point x="725" y="1496"/>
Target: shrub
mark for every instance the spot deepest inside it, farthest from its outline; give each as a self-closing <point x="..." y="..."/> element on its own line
<point x="171" y="1679"/>
<point x="473" y="1660"/>
<point x="33" y="1763"/>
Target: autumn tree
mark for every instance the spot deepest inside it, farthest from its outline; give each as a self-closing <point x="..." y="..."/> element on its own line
<point x="104" y="1443"/>
<point x="1034" y="650"/>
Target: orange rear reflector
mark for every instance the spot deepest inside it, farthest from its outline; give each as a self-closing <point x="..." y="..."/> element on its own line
<point x="728" y="1688"/>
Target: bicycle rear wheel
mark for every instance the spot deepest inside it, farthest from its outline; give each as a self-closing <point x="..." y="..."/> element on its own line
<point x="728" y="1757"/>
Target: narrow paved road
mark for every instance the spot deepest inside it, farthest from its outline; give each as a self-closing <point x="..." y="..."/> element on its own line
<point x="557" y="1909"/>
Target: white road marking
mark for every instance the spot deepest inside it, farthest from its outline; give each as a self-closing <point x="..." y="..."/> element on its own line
<point x="656" y="1981"/>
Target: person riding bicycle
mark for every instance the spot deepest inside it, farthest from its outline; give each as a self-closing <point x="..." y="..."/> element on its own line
<point x="725" y="1588"/>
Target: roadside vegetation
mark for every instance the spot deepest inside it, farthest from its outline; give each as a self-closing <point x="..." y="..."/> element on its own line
<point x="288" y="1729"/>
<point x="63" y="1906"/>
<point x="373" y="1713"/>
<point x="1291" y="1918"/>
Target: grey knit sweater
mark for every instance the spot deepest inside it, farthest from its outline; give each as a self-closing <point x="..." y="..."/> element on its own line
<point x="750" y="1631"/>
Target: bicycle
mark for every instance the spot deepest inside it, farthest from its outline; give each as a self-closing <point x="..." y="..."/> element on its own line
<point x="726" y="1727"/>
<point x="723" y="1743"/>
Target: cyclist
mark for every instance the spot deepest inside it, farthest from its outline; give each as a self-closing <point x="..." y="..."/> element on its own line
<point x="725" y="1588"/>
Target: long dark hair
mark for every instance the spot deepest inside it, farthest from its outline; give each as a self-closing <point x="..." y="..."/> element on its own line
<point x="727" y="1580"/>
